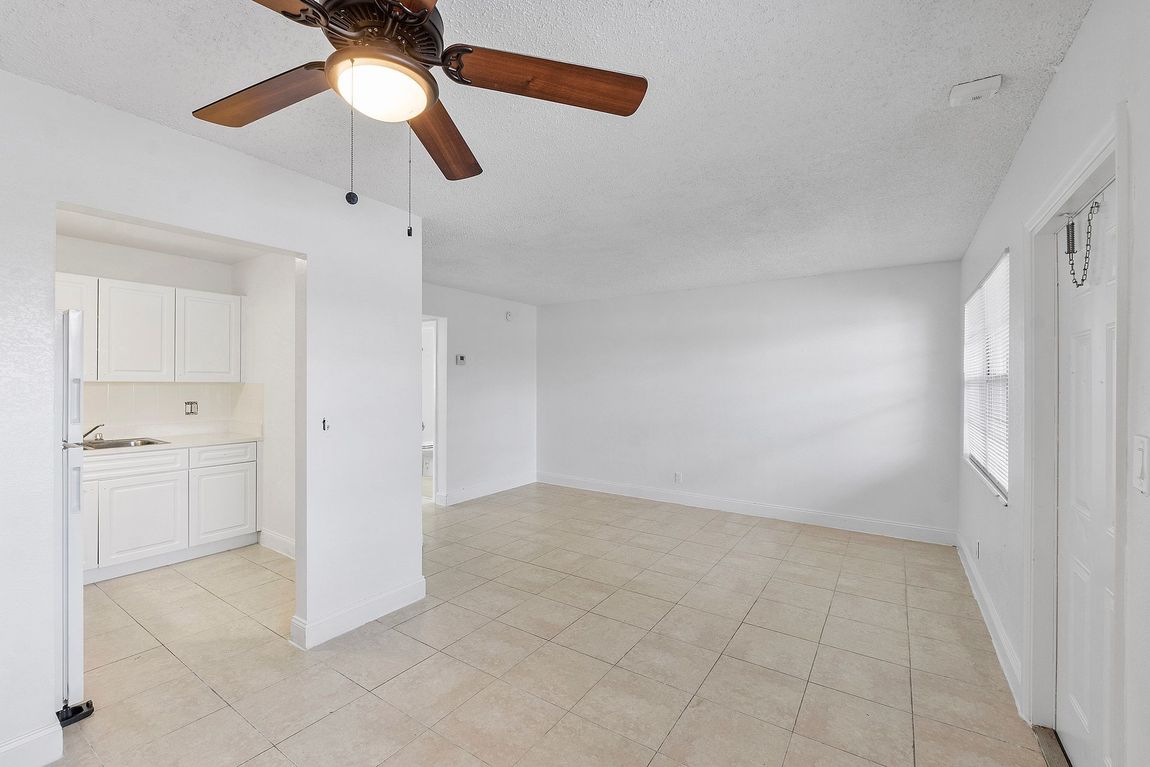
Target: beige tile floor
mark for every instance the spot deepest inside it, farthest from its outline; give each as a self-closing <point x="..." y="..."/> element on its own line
<point x="565" y="628"/>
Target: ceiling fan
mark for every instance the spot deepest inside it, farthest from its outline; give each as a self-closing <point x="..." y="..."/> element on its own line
<point x="381" y="67"/>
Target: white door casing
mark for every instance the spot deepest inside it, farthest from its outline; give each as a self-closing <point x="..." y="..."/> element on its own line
<point x="1087" y="338"/>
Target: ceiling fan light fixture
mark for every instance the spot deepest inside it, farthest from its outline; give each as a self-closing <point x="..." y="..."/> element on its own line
<point x="383" y="85"/>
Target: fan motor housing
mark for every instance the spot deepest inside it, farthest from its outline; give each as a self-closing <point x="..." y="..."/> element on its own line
<point x="387" y="22"/>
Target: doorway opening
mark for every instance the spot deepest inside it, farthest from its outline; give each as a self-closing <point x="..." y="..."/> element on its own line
<point x="433" y="413"/>
<point x="190" y="348"/>
<point x="1076" y="363"/>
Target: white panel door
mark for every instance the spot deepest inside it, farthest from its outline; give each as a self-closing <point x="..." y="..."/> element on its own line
<point x="81" y="291"/>
<point x="207" y="336"/>
<point x="90" y="522"/>
<point x="1086" y="489"/>
<point x="222" y="502"/>
<point x="143" y="516"/>
<point x="136" y="332"/>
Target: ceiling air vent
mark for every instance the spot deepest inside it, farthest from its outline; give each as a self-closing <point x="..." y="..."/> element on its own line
<point x="976" y="90"/>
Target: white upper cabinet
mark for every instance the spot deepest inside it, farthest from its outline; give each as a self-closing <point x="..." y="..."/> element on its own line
<point x="207" y="336"/>
<point x="136" y="332"/>
<point x="80" y="291"/>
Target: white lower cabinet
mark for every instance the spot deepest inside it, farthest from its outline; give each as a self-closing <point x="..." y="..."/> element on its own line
<point x="90" y="520"/>
<point x="143" y="516"/>
<point x="154" y="507"/>
<point x="221" y="502"/>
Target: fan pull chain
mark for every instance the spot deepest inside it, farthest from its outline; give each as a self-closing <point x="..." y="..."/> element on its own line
<point x="351" y="197"/>
<point x="408" y="180"/>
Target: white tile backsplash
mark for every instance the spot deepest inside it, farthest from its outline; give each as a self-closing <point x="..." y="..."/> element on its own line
<point x="157" y="409"/>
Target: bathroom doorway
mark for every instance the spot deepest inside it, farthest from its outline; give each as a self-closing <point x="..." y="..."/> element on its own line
<point x="429" y="417"/>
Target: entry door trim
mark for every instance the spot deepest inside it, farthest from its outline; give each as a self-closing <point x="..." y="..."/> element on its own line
<point x="1039" y="360"/>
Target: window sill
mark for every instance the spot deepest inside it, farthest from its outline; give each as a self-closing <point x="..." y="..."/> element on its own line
<point x="987" y="481"/>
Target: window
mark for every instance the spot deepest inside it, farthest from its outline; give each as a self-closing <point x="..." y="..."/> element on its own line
<point x="986" y="389"/>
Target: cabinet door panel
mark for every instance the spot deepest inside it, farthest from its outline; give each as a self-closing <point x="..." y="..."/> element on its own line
<point x="136" y="332"/>
<point x="80" y="291"/>
<point x="90" y="520"/>
<point x="207" y="336"/>
<point x="222" y="502"/>
<point x="143" y="516"/>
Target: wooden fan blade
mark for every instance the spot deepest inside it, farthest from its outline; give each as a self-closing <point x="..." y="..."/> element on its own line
<point x="443" y="141"/>
<point x="288" y="7"/>
<point x="261" y="99"/>
<point x="597" y="89"/>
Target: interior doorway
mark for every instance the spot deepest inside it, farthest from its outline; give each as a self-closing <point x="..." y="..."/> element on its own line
<point x="1087" y="488"/>
<point x="429" y="344"/>
<point x="1075" y="366"/>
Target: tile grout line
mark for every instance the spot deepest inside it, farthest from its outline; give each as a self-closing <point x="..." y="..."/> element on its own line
<point x="594" y="516"/>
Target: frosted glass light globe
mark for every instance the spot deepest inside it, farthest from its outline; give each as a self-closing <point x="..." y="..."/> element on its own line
<point x="382" y="85"/>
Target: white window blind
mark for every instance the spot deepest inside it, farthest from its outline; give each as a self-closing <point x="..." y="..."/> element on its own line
<point x="986" y="392"/>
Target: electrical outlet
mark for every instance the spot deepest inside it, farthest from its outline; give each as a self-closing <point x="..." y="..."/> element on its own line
<point x="191" y="407"/>
<point x="678" y="478"/>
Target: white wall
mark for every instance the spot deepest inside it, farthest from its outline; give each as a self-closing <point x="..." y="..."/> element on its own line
<point x="827" y="399"/>
<point x="1106" y="65"/>
<point x="491" y="401"/>
<point x="361" y="544"/>
<point x="268" y="284"/>
<point x="120" y="262"/>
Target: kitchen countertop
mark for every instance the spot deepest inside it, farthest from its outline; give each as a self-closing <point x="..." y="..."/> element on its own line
<point x="176" y="442"/>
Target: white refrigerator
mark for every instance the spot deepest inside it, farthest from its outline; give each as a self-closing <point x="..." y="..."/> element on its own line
<point x="70" y="396"/>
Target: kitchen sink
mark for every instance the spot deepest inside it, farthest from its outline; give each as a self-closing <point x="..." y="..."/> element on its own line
<point x="105" y="444"/>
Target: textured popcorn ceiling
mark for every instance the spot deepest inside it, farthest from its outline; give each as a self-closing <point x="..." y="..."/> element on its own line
<point x="779" y="138"/>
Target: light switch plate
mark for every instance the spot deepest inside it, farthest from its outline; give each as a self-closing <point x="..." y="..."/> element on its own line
<point x="460" y="359"/>
<point x="1140" y="464"/>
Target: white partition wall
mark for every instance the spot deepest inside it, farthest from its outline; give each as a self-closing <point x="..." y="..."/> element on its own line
<point x="362" y="336"/>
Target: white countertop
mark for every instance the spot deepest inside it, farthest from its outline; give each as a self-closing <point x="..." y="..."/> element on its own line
<point x="177" y="442"/>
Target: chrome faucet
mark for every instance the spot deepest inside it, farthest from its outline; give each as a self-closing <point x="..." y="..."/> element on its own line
<point x="97" y="426"/>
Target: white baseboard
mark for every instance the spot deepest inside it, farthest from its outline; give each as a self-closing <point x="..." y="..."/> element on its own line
<point x="312" y="633"/>
<point x="97" y="574"/>
<point x="43" y="745"/>
<point x="485" y="488"/>
<point x="871" y="525"/>
<point x="1008" y="657"/>
<point x="278" y="543"/>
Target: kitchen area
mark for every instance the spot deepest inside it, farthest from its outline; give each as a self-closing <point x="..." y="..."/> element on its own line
<point x="177" y="355"/>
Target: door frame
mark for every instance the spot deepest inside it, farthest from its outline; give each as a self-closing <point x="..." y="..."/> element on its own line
<point x="1039" y="379"/>
<point x="439" y="456"/>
